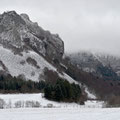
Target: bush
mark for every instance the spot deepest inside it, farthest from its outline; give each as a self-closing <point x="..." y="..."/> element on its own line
<point x="113" y="101"/>
<point x="2" y="103"/>
<point x="19" y="104"/>
<point x="32" y="104"/>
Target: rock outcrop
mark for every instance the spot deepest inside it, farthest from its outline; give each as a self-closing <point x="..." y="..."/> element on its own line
<point x="25" y="48"/>
<point x="19" y="33"/>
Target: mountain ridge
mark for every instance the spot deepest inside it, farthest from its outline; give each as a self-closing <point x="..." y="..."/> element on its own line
<point x="92" y="63"/>
<point x="20" y="32"/>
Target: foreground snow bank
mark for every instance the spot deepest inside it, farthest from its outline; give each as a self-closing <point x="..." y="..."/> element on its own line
<point x="37" y="100"/>
<point x="60" y="114"/>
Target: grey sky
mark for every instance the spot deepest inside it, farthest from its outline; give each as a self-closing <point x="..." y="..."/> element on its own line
<point x="82" y="24"/>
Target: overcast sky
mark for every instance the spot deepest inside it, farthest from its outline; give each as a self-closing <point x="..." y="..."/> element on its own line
<point x="82" y="24"/>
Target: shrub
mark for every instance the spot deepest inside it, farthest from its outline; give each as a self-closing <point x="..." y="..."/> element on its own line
<point x="2" y="103"/>
<point x="113" y="101"/>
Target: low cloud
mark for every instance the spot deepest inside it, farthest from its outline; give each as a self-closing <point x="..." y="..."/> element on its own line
<point x="82" y="24"/>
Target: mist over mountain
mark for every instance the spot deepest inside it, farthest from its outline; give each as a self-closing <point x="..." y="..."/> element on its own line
<point x="100" y="64"/>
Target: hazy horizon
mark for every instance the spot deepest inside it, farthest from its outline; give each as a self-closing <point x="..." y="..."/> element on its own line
<point x="82" y="24"/>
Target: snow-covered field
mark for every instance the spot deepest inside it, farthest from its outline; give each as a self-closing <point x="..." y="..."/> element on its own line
<point x="92" y="110"/>
<point x="12" y="99"/>
<point x="60" y="114"/>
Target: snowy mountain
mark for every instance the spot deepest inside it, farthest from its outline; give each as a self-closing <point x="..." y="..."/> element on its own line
<point x="111" y="61"/>
<point x="25" y="48"/>
<point x="19" y="33"/>
<point x="101" y="65"/>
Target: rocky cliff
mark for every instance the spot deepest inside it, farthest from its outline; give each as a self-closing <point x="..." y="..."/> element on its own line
<point x="26" y="48"/>
<point x="19" y="33"/>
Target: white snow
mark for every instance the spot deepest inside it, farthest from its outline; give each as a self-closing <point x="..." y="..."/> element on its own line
<point x="13" y="98"/>
<point x="61" y="114"/>
<point x="68" y="78"/>
<point x="89" y="94"/>
<point x="12" y="62"/>
<point x="92" y="110"/>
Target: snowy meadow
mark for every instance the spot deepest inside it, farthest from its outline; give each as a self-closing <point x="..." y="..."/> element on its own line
<point x="36" y="107"/>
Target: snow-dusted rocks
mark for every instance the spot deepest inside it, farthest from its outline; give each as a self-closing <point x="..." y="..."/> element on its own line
<point x="19" y="64"/>
<point x="102" y="65"/>
<point x="18" y="32"/>
<point x="24" y="46"/>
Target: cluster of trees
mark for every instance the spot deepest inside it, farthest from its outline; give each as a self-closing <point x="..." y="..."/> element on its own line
<point x="55" y="88"/>
<point x="62" y="90"/>
<point x="59" y="89"/>
<point x="10" y="84"/>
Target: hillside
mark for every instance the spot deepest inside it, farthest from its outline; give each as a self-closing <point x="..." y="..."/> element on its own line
<point x="29" y="53"/>
<point x="101" y="79"/>
<point x="101" y="65"/>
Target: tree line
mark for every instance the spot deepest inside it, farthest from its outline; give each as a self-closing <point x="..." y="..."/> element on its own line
<point x="55" y="88"/>
<point x="9" y="84"/>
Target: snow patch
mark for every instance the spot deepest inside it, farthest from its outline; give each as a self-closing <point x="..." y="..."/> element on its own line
<point x="15" y="68"/>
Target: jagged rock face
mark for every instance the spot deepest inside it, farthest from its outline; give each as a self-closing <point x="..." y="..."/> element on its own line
<point x="25" y="47"/>
<point x="19" y="33"/>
